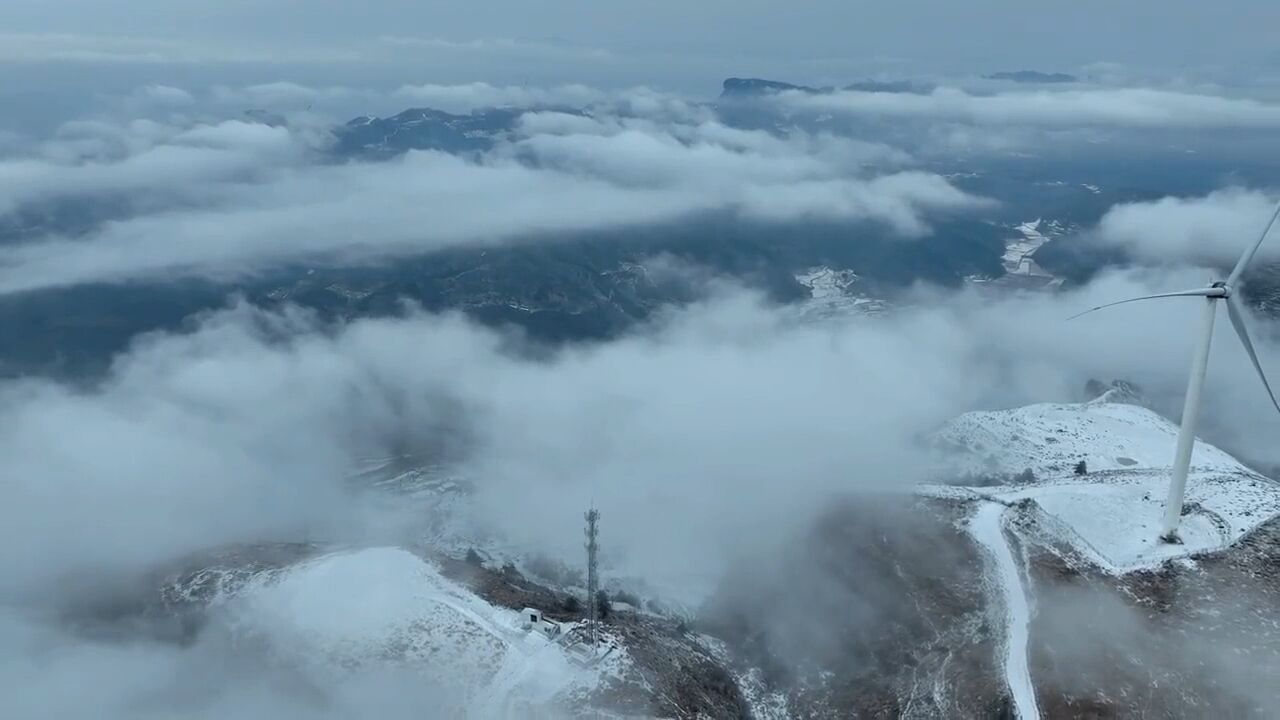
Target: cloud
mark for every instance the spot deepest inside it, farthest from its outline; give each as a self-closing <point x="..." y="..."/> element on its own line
<point x="1124" y="108"/>
<point x="285" y="95"/>
<point x="232" y="198"/>
<point x="212" y="477"/>
<point x="43" y="47"/>
<point x="1216" y="228"/>
<point x="721" y="417"/>
<point x="153" y="165"/>
<point x="165" y="95"/>
<point x="465" y="98"/>
<point x="244" y="428"/>
<point x="341" y="102"/>
<point x="1105" y="641"/>
<point x="713" y="434"/>
<point x="220" y="675"/>
<point x="629" y="102"/>
<point x="644" y="150"/>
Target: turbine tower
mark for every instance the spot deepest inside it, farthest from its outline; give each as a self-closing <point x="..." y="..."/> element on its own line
<point x="593" y="580"/>
<point x="1219" y="291"/>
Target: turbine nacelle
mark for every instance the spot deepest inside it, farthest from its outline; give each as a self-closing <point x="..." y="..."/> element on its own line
<point x="1216" y="291"/>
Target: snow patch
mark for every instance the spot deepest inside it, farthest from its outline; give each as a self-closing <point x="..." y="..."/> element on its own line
<point x="1018" y="252"/>
<point x="832" y="295"/>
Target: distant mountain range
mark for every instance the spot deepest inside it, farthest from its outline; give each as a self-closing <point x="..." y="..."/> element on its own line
<point x="756" y="87"/>
<point x="1032" y="76"/>
<point x="423" y="129"/>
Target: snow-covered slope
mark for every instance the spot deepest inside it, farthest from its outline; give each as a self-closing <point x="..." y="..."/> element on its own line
<point x="1110" y="514"/>
<point x="386" y="605"/>
<point x="1051" y="439"/>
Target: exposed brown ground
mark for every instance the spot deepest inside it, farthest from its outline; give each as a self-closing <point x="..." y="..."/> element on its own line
<point x="1189" y="640"/>
<point x="881" y="612"/>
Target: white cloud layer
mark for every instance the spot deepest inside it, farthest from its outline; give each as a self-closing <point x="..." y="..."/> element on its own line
<point x="708" y="437"/>
<point x="146" y="162"/>
<point x="722" y="418"/>
<point x="233" y="198"/>
<point x="1125" y="107"/>
<point x="467" y="97"/>
<point x="1216" y="228"/>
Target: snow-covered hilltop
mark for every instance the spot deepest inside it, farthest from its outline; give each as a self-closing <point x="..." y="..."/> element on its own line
<point x="1071" y="496"/>
<point x="388" y="607"/>
<point x="1051" y="439"/>
<point x="458" y="630"/>
<point x="1109" y="507"/>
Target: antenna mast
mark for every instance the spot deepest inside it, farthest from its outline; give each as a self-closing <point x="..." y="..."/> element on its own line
<point x="592" y="516"/>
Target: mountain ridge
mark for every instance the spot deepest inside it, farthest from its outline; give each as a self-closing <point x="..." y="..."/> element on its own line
<point x="1032" y="76"/>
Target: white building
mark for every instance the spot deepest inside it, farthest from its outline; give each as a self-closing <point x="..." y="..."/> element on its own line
<point x="532" y="619"/>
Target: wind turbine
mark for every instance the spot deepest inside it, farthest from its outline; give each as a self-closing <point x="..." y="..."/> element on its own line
<point x="1215" y="292"/>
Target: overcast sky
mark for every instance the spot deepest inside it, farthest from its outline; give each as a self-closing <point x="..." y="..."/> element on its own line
<point x="668" y="43"/>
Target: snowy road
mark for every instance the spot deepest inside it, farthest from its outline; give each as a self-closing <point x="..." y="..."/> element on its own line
<point x="987" y="527"/>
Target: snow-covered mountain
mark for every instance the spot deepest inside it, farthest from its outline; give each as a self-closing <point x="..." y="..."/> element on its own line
<point x="423" y="129"/>
<point x="1071" y="496"/>
<point x="952" y="602"/>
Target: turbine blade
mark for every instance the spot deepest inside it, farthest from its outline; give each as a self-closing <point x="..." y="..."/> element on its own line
<point x="1197" y="292"/>
<point x="1237" y="319"/>
<point x="1252" y="250"/>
